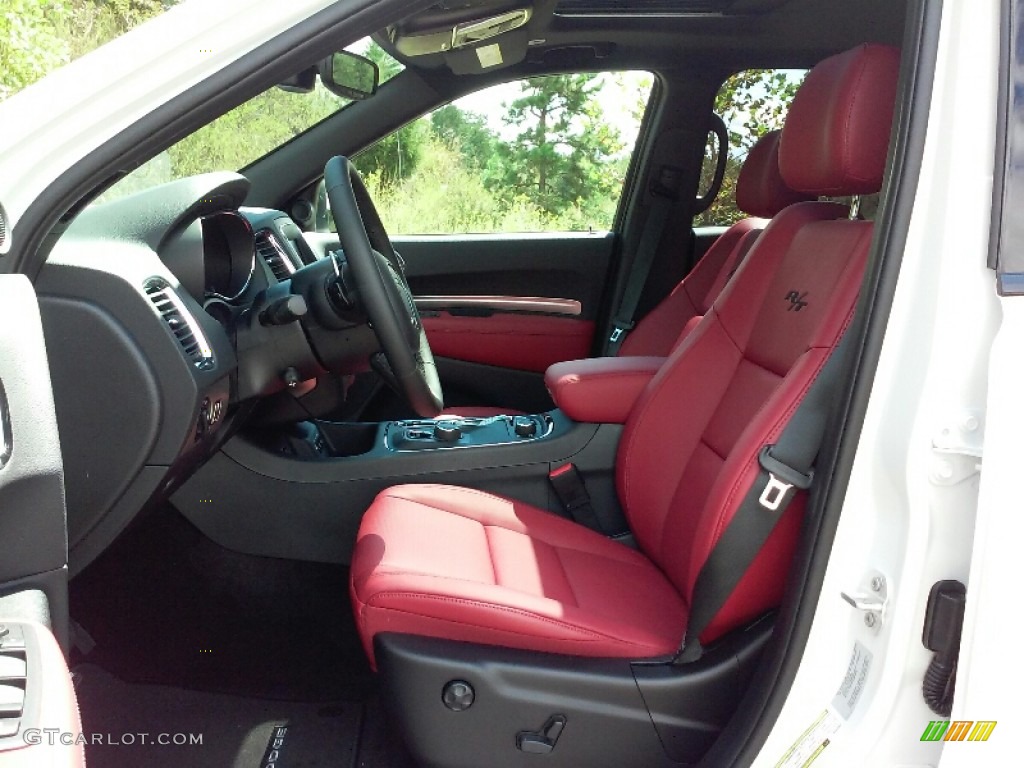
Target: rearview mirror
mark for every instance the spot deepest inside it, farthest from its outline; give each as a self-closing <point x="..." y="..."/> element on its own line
<point x="350" y="75"/>
<point x="303" y="82"/>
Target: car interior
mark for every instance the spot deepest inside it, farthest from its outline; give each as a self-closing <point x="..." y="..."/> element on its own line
<point x="338" y="497"/>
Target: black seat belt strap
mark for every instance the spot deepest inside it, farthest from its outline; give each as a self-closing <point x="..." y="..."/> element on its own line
<point x="664" y="191"/>
<point x="570" y="489"/>
<point x="786" y="467"/>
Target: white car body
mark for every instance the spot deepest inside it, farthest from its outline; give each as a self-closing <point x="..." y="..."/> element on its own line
<point x="919" y="507"/>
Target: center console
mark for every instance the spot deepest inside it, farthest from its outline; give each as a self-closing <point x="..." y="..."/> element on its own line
<point x="465" y="432"/>
<point x="301" y="494"/>
<point x="325" y="440"/>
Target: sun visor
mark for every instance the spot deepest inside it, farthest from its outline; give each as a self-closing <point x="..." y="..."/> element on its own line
<point x="470" y="36"/>
<point x="505" y="50"/>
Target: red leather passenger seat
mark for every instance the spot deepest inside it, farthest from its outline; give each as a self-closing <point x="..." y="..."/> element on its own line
<point x="465" y="565"/>
<point x="760" y="193"/>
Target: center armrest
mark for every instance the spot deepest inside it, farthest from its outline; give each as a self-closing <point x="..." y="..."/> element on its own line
<point x="600" y="389"/>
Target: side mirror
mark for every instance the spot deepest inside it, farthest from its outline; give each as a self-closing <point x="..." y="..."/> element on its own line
<point x="350" y="75"/>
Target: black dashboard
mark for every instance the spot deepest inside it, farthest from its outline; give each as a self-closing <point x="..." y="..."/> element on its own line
<point x="147" y="305"/>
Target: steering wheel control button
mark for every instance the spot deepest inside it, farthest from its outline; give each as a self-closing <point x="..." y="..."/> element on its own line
<point x="446" y="432"/>
<point x="524" y="426"/>
<point x="458" y="695"/>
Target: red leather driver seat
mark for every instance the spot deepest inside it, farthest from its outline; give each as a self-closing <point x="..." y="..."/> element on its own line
<point x="466" y="565"/>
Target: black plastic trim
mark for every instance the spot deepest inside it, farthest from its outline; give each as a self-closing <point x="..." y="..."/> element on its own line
<point x="617" y="712"/>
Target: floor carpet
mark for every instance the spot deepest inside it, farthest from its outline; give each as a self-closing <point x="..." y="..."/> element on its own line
<point x="166" y="606"/>
<point x="129" y="720"/>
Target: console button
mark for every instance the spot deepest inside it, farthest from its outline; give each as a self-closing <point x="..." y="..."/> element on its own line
<point x="446" y="432"/>
<point x="524" y="426"/>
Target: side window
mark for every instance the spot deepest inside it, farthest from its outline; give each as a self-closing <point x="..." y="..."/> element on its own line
<point x="537" y="155"/>
<point x="751" y="103"/>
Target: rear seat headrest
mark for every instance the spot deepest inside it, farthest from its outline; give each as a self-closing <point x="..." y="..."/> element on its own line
<point x="760" y="190"/>
<point x="836" y="136"/>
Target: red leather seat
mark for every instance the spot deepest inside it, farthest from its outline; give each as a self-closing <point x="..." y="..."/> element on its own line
<point x="464" y="565"/>
<point x="760" y="193"/>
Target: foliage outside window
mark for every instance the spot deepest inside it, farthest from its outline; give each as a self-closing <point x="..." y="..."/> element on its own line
<point x="543" y="154"/>
<point x="38" y="36"/>
<point x="752" y="103"/>
<point x="250" y="131"/>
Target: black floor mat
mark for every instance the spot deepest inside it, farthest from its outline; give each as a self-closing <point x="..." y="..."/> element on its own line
<point x="165" y="605"/>
<point x="130" y="720"/>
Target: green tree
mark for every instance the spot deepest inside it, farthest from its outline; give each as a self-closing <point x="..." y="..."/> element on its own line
<point x="387" y="66"/>
<point x="466" y="131"/>
<point x="560" y="155"/>
<point x="29" y="44"/>
<point x="265" y="121"/>
<point x="397" y="155"/>
<point x="38" y="36"/>
<point x="752" y="103"/>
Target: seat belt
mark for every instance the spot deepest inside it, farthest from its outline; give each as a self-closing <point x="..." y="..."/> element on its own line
<point x="786" y="467"/>
<point x="664" y="191"/>
<point x="567" y="483"/>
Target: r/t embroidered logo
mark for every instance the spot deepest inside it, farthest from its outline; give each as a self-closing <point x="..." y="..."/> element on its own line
<point x="796" y="301"/>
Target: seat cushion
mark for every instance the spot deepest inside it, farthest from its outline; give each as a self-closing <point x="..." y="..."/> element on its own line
<point x="446" y="561"/>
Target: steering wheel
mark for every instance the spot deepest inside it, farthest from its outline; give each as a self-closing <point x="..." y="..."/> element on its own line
<point x="380" y="281"/>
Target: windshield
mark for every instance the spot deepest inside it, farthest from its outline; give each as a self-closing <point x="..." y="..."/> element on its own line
<point x="39" y="36"/>
<point x="249" y="131"/>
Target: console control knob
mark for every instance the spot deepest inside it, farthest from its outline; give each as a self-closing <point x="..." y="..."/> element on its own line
<point x="524" y="426"/>
<point x="446" y="432"/>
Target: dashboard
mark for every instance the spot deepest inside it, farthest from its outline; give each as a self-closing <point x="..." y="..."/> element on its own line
<point x="159" y="346"/>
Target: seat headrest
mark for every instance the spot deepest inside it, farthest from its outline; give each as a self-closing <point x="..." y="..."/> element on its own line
<point x="836" y="136"/>
<point x="760" y="190"/>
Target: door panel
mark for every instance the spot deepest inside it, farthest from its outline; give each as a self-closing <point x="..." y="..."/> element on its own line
<point x="508" y="333"/>
<point x="509" y="340"/>
<point x="553" y="265"/>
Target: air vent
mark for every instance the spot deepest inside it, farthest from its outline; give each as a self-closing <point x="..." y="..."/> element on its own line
<point x="180" y="322"/>
<point x="269" y="248"/>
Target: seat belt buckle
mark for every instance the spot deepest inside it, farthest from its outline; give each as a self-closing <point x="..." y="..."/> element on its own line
<point x="774" y="492"/>
<point x="620" y="329"/>
<point x="569" y="487"/>
<point x="782" y="478"/>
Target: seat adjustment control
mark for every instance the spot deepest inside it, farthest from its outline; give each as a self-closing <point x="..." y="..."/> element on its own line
<point x="458" y="695"/>
<point x="541" y="742"/>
